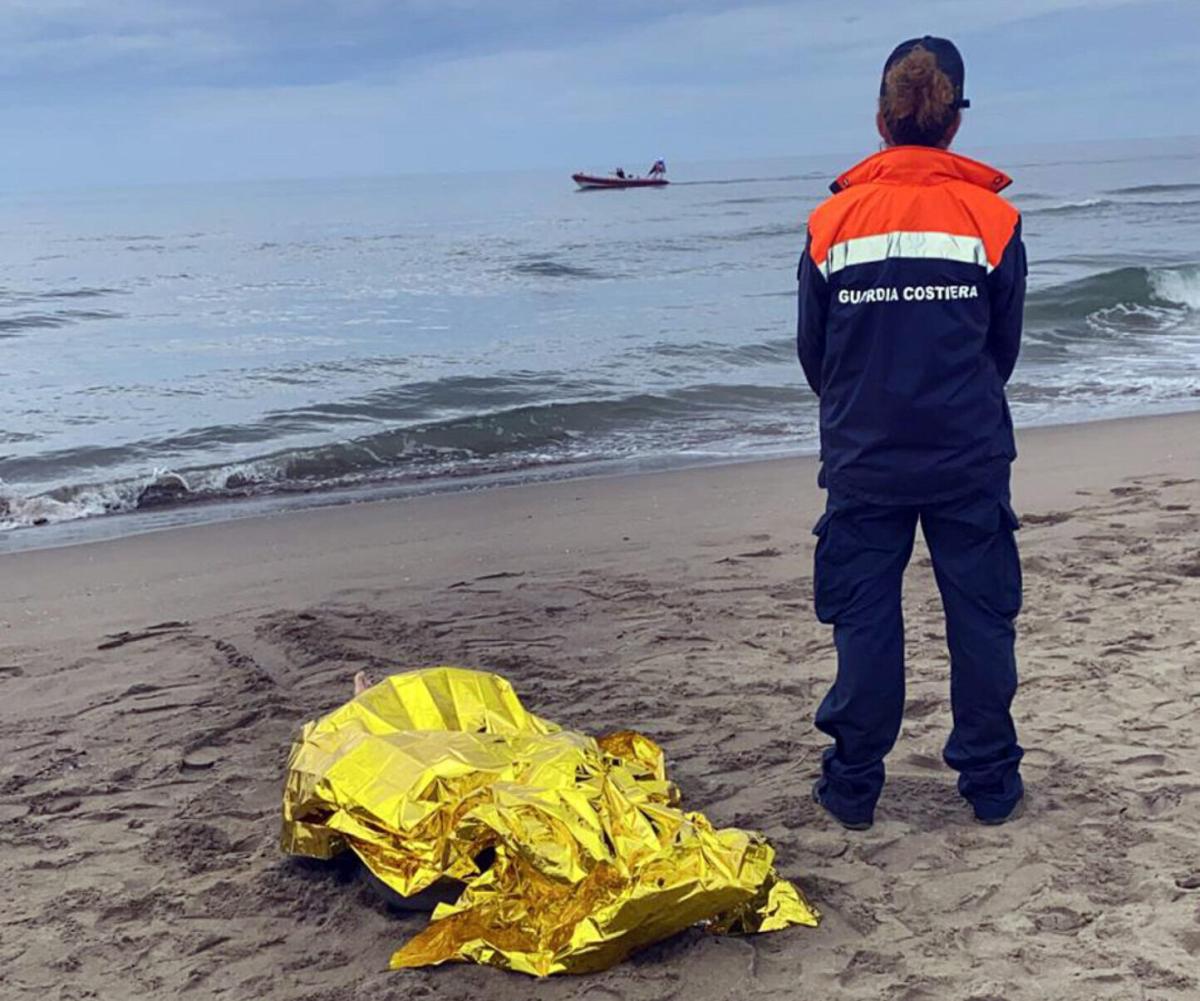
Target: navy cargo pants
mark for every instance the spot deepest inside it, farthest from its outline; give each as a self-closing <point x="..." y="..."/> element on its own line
<point x="862" y="551"/>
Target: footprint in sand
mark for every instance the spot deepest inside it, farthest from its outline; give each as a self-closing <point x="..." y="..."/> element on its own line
<point x="1190" y="940"/>
<point x="1049" y="518"/>
<point x="1039" y="757"/>
<point x="598" y="993"/>
<point x="924" y="705"/>
<point x="1163" y="799"/>
<point x="1148" y="760"/>
<point x="113" y="640"/>
<point x="1189" y="568"/>
<point x="10" y="812"/>
<point x="56" y="805"/>
<point x="1060" y="920"/>
<point x="200" y="759"/>
<point x="868" y="962"/>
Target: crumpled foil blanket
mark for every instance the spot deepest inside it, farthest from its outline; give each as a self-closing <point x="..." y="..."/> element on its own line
<point x="573" y="851"/>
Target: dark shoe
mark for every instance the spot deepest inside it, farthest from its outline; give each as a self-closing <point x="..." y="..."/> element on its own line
<point x="1018" y="809"/>
<point x="850" y="825"/>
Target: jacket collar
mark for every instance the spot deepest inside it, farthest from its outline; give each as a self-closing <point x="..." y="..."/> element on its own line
<point x="921" y="165"/>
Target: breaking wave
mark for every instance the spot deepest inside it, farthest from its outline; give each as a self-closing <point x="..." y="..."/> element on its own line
<point x="518" y="423"/>
<point x="495" y="441"/>
<point x="1133" y="304"/>
<point x="1177" y="288"/>
<point x="1070" y="208"/>
<point x="1154" y="189"/>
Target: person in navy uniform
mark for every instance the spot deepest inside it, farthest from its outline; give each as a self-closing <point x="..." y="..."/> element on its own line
<point x="911" y="290"/>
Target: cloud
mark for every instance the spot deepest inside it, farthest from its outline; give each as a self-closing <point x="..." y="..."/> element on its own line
<point x="296" y="41"/>
<point x="131" y="89"/>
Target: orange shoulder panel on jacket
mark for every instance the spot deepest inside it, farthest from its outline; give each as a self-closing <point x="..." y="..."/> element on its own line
<point x="911" y="190"/>
<point x="995" y="218"/>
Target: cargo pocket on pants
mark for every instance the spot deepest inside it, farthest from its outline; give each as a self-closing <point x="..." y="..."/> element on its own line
<point x="1011" y="583"/>
<point x="828" y="590"/>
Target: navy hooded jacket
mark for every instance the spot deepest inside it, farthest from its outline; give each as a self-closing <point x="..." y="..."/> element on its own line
<point x="912" y="287"/>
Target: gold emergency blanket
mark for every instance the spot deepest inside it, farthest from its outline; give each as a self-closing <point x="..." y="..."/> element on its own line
<point x="573" y="851"/>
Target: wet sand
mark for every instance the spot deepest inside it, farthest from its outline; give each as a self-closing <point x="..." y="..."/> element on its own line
<point x="149" y="687"/>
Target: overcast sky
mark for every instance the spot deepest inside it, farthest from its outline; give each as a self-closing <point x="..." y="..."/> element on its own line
<point x="111" y="91"/>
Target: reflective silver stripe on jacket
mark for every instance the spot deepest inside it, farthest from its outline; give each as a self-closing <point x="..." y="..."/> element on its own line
<point x="905" y="243"/>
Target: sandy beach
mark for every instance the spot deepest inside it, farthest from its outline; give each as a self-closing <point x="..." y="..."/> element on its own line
<point x="149" y="687"/>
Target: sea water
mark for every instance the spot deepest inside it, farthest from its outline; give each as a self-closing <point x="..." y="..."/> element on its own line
<point x="303" y="342"/>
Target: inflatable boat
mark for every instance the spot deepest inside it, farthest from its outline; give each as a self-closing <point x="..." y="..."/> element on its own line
<point x="589" y="182"/>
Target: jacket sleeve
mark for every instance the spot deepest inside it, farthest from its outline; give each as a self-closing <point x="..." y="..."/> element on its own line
<point x="810" y="326"/>
<point x="1006" y="295"/>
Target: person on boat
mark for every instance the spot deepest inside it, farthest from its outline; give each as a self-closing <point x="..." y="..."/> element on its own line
<point x="620" y="172"/>
<point x="911" y="290"/>
<point x="658" y="169"/>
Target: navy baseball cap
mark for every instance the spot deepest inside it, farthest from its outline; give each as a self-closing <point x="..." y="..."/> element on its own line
<point x="949" y="61"/>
